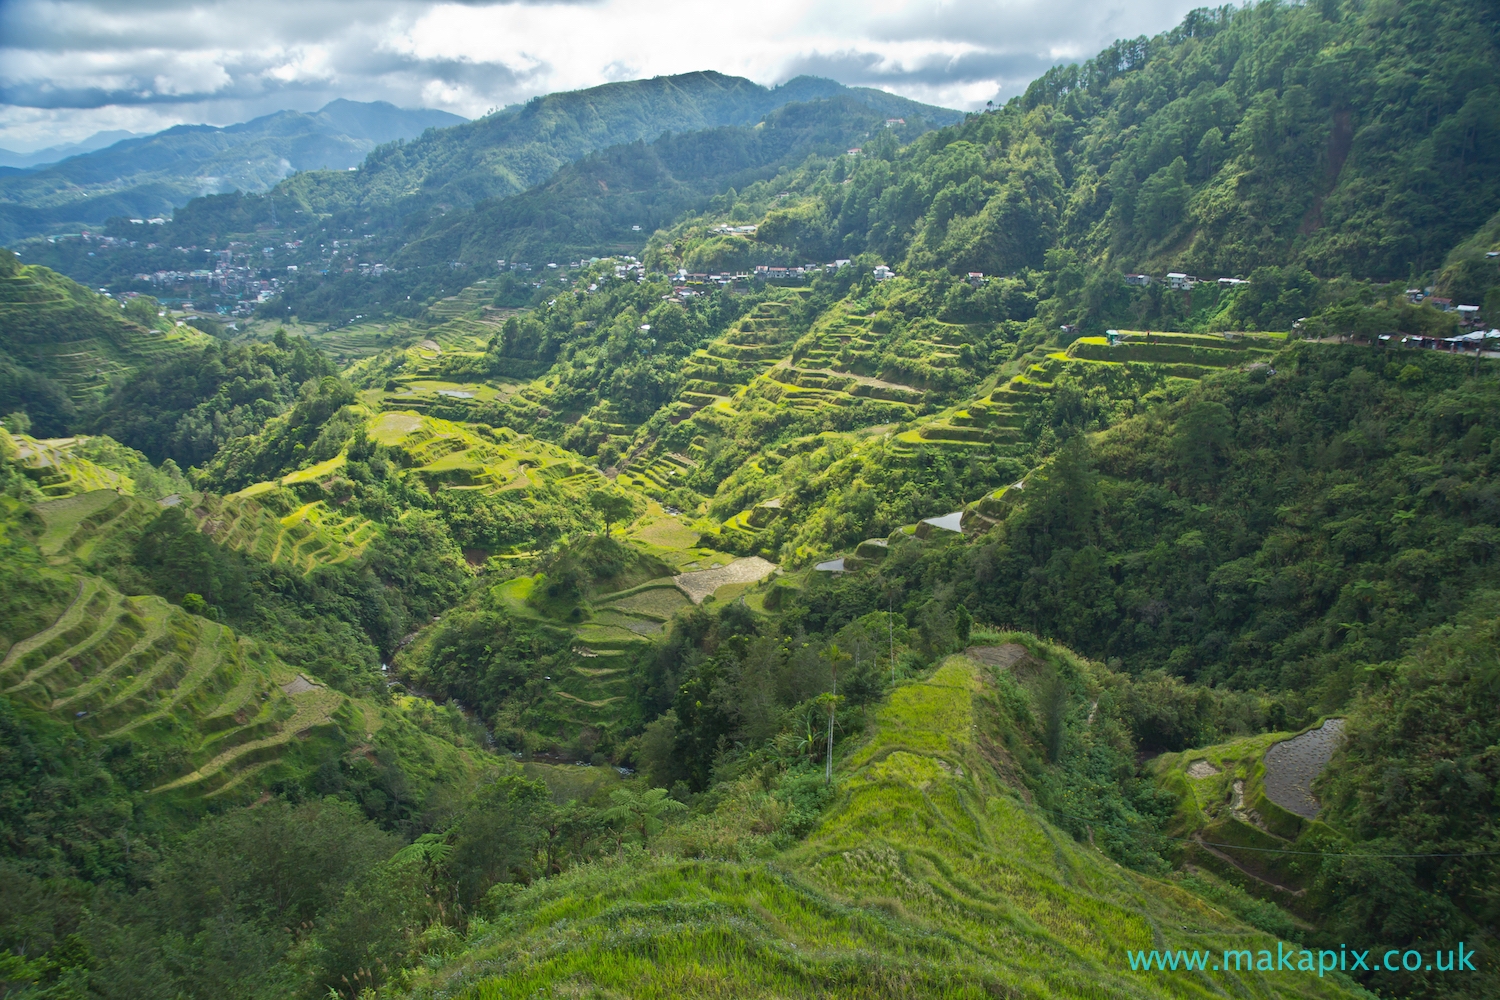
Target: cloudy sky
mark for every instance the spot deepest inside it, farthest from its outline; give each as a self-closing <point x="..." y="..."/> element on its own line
<point x="69" y="68"/>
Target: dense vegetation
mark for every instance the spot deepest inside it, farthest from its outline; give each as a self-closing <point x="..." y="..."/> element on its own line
<point x="826" y="634"/>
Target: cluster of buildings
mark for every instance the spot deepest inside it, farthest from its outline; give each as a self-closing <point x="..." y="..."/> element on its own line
<point x="685" y="281"/>
<point x="226" y="279"/>
<point x="1179" y="281"/>
<point x="1467" y="315"/>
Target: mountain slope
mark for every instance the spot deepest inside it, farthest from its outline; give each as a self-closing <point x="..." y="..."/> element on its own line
<point x="61" y="343"/>
<point x="149" y="176"/>
<point x="614" y="199"/>
<point x="1270" y="137"/>
<point x="523" y="145"/>
<point x="52" y="154"/>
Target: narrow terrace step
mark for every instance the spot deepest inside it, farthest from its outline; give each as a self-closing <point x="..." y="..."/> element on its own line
<point x="117" y="621"/>
<point x="88" y="592"/>
<point x="310" y="708"/>
<point x="209" y="674"/>
<point x="147" y="670"/>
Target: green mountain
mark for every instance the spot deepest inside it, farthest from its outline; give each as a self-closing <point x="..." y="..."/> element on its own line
<point x="521" y="146"/>
<point x="149" y="176"/>
<point x="415" y="231"/>
<point x="1228" y="144"/>
<point x="613" y="199"/>
<point x="886" y="627"/>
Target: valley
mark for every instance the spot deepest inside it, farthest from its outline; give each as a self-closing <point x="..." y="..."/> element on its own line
<point x="687" y="538"/>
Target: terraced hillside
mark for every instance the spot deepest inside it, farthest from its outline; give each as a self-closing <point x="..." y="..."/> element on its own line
<point x="788" y="484"/>
<point x="220" y="707"/>
<point x="467" y="456"/>
<point x="931" y="875"/>
<point x="59" y="472"/>
<point x="305" y="537"/>
<point x="78" y="339"/>
<point x="221" y="716"/>
<point x="1008" y="415"/>
<point x="77" y="525"/>
<point x="1235" y="814"/>
<point x="759" y="369"/>
<point x="613" y="621"/>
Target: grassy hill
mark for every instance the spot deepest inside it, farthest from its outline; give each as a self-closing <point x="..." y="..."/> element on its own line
<point x="929" y="873"/>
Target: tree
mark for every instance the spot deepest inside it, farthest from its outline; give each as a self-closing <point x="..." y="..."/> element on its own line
<point x="1162" y="201"/>
<point x="833" y="654"/>
<point x="498" y="836"/>
<point x="642" y="811"/>
<point x="612" y="505"/>
<point x="1210" y="153"/>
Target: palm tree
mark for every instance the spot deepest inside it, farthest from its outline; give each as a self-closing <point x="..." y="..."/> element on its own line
<point x="833" y="655"/>
<point x="642" y="811"/>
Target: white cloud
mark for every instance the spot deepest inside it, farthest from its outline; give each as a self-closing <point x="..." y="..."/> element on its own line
<point x="72" y="67"/>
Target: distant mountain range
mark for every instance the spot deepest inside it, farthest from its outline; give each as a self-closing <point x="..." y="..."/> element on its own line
<point x="152" y="175"/>
<point x="523" y="145"/>
<point x="456" y="164"/>
<point x="42" y="157"/>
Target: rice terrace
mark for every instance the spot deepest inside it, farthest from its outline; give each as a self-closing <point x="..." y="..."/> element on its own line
<point x="952" y="531"/>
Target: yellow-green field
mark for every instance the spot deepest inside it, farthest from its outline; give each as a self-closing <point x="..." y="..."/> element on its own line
<point x="314" y="534"/>
<point x="61" y="473"/>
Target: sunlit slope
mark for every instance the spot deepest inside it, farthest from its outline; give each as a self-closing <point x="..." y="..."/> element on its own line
<point x="1015" y="410"/>
<point x="51" y="464"/>
<point x="477" y="457"/>
<point x="929" y="877"/>
<point x="217" y="713"/>
<point x="301" y="520"/>
<point x="300" y="536"/>
<point x="1004" y="421"/>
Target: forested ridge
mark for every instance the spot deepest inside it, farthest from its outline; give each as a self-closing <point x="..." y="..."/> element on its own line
<point x="937" y="619"/>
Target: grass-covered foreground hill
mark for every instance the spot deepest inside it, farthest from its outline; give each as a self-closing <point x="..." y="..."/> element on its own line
<point x="929" y="873"/>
